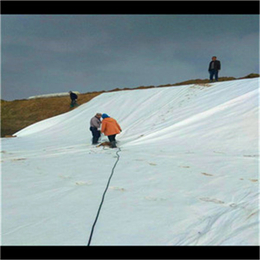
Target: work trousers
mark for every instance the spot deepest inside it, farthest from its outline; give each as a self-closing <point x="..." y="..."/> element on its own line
<point x="213" y="73"/>
<point x="95" y="134"/>
<point x="112" y="138"/>
<point x="73" y="103"/>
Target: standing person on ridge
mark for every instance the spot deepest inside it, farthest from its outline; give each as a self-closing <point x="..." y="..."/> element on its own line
<point x="214" y="67"/>
<point x="110" y="128"/>
<point x="95" y="124"/>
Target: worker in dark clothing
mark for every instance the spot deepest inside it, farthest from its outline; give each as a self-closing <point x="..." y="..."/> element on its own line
<point x="214" y="67"/>
<point x="73" y="98"/>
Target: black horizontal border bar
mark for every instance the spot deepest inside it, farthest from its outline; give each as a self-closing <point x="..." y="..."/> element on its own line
<point x="129" y="7"/>
<point x="130" y="252"/>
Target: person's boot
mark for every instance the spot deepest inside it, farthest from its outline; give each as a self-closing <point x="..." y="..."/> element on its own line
<point x="113" y="144"/>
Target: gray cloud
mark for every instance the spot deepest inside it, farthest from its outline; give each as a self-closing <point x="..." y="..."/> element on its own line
<point x="47" y="54"/>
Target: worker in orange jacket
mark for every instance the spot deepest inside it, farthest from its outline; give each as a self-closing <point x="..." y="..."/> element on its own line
<point x="110" y="128"/>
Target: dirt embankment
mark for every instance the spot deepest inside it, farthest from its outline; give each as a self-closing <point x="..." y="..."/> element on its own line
<point x="18" y="114"/>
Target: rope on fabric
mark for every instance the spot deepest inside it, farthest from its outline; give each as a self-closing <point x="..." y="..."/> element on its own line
<point x="103" y="197"/>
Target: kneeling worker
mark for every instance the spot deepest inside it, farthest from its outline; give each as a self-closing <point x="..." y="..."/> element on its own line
<point x="110" y="128"/>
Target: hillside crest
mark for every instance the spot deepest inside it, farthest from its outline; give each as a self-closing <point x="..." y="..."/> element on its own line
<point x="18" y="114"/>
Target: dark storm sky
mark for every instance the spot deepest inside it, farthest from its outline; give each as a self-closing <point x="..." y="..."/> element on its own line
<point x="44" y="54"/>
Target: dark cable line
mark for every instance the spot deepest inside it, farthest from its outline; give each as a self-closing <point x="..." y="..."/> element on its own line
<point x="103" y="197"/>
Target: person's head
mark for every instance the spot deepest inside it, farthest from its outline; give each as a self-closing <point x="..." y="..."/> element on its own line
<point x="214" y="58"/>
<point x="98" y="115"/>
<point x="104" y="116"/>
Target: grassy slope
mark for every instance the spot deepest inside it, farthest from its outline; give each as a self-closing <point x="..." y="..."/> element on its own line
<point x="18" y="114"/>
